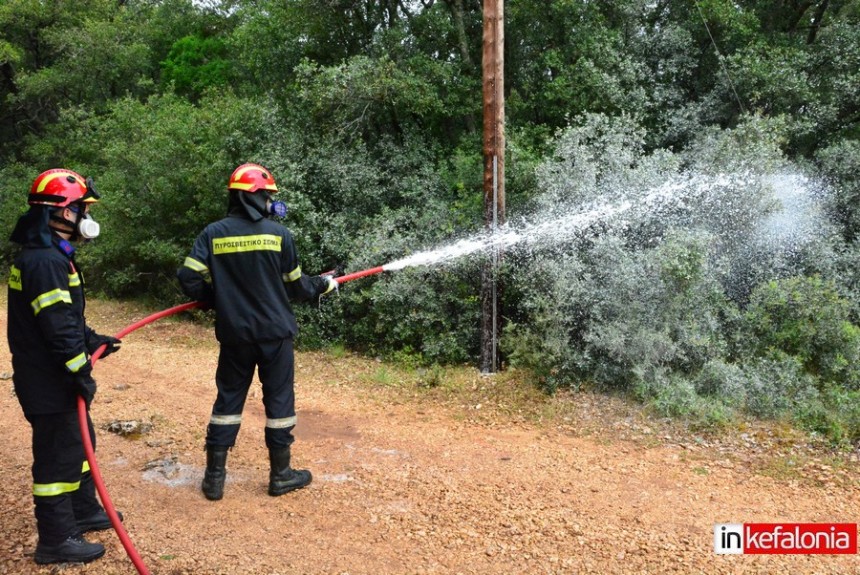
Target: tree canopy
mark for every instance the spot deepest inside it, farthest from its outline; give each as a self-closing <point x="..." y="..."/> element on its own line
<point x="368" y="113"/>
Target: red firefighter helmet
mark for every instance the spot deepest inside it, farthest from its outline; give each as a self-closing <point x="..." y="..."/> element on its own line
<point x="59" y="188"/>
<point x="252" y="177"/>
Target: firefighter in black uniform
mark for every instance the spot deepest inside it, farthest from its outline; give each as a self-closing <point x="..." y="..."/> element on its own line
<point x="245" y="266"/>
<point x="51" y="346"/>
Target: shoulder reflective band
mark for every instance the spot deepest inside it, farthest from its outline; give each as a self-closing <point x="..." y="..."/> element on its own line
<point x="293" y="275"/>
<point x="76" y="362"/>
<point x="52" y="489"/>
<point x="282" y="423"/>
<point x="235" y="244"/>
<point x="15" y="279"/>
<point x="194" y="265"/>
<point x="74" y="280"/>
<point x="225" y="419"/>
<point x="50" y="298"/>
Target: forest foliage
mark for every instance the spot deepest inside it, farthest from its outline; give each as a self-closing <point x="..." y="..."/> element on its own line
<point x="369" y="114"/>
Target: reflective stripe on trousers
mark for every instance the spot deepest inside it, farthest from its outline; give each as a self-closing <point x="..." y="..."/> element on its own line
<point x="273" y="361"/>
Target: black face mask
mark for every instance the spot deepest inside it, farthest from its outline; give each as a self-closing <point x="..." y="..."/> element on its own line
<point x="252" y="206"/>
<point x="257" y="205"/>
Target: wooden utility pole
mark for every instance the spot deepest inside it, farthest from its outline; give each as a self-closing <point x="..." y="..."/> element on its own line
<point x="493" y="67"/>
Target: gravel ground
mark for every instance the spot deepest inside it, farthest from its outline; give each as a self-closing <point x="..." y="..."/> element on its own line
<point x="465" y="474"/>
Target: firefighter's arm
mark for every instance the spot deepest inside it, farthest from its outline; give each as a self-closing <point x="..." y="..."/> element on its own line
<point x="62" y="329"/>
<point x="300" y="286"/>
<point x="194" y="275"/>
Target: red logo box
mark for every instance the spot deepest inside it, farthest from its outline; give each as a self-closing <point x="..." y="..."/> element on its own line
<point x="786" y="538"/>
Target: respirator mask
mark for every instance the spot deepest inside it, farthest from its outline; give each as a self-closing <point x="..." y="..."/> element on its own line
<point x="87" y="227"/>
<point x="84" y="225"/>
<point x="276" y="208"/>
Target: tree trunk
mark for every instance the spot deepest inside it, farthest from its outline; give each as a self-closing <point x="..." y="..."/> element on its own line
<point x="494" y="174"/>
<point x="816" y="22"/>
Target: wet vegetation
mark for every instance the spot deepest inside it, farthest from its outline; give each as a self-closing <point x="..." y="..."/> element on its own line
<point x="715" y="276"/>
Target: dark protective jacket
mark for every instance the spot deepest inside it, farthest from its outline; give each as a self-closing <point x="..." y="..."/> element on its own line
<point x="249" y="272"/>
<point x="47" y="332"/>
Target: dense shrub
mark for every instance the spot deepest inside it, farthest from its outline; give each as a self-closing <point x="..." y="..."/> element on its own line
<point x="805" y="318"/>
<point x="694" y="297"/>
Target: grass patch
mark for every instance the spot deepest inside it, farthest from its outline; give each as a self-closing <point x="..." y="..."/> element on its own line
<point x="782" y="468"/>
<point x="337" y="351"/>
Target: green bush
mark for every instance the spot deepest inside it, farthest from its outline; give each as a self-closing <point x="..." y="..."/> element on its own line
<point x="840" y="164"/>
<point x="834" y="414"/>
<point x="724" y="381"/>
<point x="538" y="354"/>
<point x="775" y="384"/>
<point x="671" y="395"/>
<point x="805" y="318"/>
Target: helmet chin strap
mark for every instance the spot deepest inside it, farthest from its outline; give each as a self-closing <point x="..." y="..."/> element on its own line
<point x="73" y="233"/>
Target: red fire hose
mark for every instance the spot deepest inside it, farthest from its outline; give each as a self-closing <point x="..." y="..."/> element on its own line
<point x="88" y="446"/>
<point x="361" y="274"/>
<point x="85" y="435"/>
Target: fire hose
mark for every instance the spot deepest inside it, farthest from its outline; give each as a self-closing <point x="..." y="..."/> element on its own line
<point x="90" y="452"/>
<point x="84" y="423"/>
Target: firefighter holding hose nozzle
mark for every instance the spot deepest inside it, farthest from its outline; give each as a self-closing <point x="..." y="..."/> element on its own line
<point x="51" y="345"/>
<point x="245" y="267"/>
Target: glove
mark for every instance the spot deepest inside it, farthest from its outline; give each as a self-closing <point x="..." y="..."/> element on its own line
<point x="86" y="387"/>
<point x="331" y="285"/>
<point x="95" y="341"/>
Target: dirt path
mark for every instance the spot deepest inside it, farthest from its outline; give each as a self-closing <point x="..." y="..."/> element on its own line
<point x="473" y="477"/>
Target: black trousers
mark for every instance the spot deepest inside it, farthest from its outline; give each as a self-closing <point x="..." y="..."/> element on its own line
<point x="236" y="364"/>
<point x="63" y="487"/>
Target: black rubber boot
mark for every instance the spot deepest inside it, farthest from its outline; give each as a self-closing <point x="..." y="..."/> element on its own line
<point x="98" y="521"/>
<point x="216" y="472"/>
<point x="75" y="549"/>
<point x="283" y="478"/>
